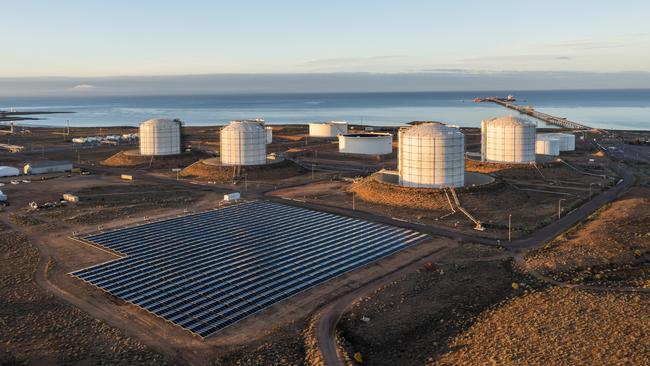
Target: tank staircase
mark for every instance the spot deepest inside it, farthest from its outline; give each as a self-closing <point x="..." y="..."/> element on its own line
<point x="477" y="223"/>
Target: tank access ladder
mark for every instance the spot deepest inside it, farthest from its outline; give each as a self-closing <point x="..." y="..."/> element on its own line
<point x="477" y="223"/>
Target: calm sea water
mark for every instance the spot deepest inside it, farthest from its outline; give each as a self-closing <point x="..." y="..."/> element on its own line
<point x="620" y="109"/>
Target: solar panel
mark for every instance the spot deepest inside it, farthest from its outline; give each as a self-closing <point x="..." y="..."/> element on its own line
<point x="206" y="271"/>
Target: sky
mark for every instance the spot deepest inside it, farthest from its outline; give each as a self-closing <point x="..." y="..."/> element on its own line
<point x="77" y="46"/>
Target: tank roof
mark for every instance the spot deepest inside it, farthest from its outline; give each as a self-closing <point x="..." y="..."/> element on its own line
<point x="506" y="121"/>
<point x="367" y="135"/>
<point x="243" y="126"/>
<point x="158" y="121"/>
<point x="433" y="129"/>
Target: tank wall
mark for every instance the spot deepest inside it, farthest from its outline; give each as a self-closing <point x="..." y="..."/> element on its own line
<point x="269" y="135"/>
<point x="432" y="161"/>
<point x="566" y="141"/>
<point x="243" y="146"/>
<point x="548" y="147"/>
<point x="509" y="144"/>
<point x="369" y="146"/>
<point x="327" y="129"/>
<point x="160" y="139"/>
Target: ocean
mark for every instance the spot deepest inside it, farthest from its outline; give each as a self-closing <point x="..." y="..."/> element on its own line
<point x="614" y="109"/>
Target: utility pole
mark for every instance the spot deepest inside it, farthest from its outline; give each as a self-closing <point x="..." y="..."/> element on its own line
<point x="353" y="208"/>
<point x="509" y="227"/>
<point x="312" y="172"/>
<point x="559" y="207"/>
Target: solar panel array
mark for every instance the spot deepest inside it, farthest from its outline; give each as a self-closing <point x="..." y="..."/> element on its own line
<point x="206" y="271"/>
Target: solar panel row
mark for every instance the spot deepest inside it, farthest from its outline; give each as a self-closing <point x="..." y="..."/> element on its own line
<point x="207" y="271"/>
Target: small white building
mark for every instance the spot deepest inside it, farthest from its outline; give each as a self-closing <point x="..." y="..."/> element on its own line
<point x="231" y="196"/>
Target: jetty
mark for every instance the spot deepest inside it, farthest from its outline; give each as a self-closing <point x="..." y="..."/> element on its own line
<point x="529" y="110"/>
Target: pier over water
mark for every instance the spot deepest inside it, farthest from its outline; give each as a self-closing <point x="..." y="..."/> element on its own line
<point x="528" y="110"/>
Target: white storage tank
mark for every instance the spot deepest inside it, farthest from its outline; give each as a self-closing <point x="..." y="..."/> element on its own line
<point x="269" y="135"/>
<point x="508" y="140"/>
<point x="431" y="155"/>
<point x="160" y="137"/>
<point x="328" y="129"/>
<point x="366" y="143"/>
<point x="567" y="140"/>
<point x="243" y="143"/>
<point x="547" y="146"/>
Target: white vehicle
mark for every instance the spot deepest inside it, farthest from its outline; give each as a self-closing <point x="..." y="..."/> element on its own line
<point x="15" y="182"/>
<point x="26" y="181"/>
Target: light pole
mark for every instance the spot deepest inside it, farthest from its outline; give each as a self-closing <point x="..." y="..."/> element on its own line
<point x="353" y="201"/>
<point x="559" y="207"/>
<point x="591" y="185"/>
<point x="509" y="227"/>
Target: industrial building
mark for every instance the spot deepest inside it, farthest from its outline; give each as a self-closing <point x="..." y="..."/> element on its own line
<point x="508" y="139"/>
<point x="366" y="143"/>
<point x="567" y="141"/>
<point x="431" y="155"/>
<point x="328" y="129"/>
<point x="547" y="145"/>
<point x="44" y="167"/>
<point x="160" y="137"/>
<point x="243" y="143"/>
<point x="8" y="171"/>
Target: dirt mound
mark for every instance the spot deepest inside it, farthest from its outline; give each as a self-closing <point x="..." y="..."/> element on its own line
<point x="220" y="173"/>
<point x="599" y="154"/>
<point x="487" y="167"/>
<point x="551" y="170"/>
<point x="371" y="190"/>
<point x="132" y="159"/>
<point x="124" y="159"/>
<point x="618" y="234"/>
<point x="558" y="327"/>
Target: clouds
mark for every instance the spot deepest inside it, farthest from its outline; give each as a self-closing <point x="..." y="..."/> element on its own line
<point x="83" y="87"/>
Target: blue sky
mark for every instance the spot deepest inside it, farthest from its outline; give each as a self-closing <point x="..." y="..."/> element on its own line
<point x="107" y="38"/>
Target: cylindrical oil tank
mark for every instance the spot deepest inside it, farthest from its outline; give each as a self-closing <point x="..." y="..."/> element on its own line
<point x="431" y="155"/>
<point x="366" y="143"/>
<point x="243" y="143"/>
<point x="547" y="146"/>
<point x="160" y="137"/>
<point x="508" y="140"/>
<point x="328" y="129"/>
<point x="567" y="140"/>
<point x="269" y="134"/>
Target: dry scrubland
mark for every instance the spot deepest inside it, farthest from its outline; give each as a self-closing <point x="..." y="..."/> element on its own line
<point x="558" y="326"/>
<point x="612" y="246"/>
<point x="103" y="203"/>
<point x="274" y="171"/>
<point x="37" y="328"/>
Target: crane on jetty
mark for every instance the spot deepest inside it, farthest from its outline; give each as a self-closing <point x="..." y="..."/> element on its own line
<point x="528" y="110"/>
